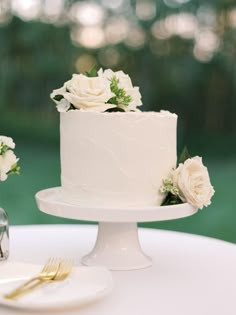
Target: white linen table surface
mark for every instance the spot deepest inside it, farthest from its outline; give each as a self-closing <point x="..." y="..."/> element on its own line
<point x="190" y="275"/>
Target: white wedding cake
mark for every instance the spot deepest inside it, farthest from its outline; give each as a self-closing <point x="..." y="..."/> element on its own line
<point x="115" y="156"/>
<point x="116" y="159"/>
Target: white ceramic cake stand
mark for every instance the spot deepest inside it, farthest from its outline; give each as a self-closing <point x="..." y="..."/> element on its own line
<point x="117" y="246"/>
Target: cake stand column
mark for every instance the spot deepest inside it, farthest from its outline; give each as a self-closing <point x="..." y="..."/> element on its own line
<point x="117" y="247"/>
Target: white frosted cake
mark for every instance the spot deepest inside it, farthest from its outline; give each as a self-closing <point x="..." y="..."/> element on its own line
<point x="116" y="159"/>
<point x="115" y="156"/>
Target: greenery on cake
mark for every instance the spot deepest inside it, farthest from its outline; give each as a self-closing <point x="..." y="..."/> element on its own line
<point x="8" y="160"/>
<point x="188" y="182"/>
<point x="101" y="91"/>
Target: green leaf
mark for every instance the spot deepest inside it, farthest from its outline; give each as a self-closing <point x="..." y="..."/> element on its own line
<point x="184" y="155"/>
<point x="120" y="98"/>
<point x="4" y="149"/>
<point x="72" y="107"/>
<point x="92" y="73"/>
<point x="58" y="97"/>
<point x="171" y="200"/>
<point x="14" y="170"/>
<point x="115" y="109"/>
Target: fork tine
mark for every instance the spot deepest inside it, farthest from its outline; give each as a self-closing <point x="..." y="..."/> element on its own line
<point x="64" y="269"/>
<point x="47" y="264"/>
<point x="52" y="265"/>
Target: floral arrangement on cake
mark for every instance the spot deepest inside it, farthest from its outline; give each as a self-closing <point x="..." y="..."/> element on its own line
<point x="101" y="91"/>
<point x="8" y="160"/>
<point x="189" y="182"/>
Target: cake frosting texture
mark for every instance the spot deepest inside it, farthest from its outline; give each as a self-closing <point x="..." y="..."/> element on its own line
<point x="116" y="159"/>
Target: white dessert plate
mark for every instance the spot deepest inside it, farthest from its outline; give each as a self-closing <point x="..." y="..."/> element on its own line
<point x="84" y="285"/>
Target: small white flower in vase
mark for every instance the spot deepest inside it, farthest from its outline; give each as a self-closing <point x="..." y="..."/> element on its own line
<point x="8" y="165"/>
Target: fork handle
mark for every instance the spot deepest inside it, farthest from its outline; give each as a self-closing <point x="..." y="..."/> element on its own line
<point x="23" y="287"/>
<point x="19" y="292"/>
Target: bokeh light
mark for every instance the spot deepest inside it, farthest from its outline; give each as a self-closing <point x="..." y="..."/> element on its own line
<point x="159" y="30"/>
<point x="146" y="10"/>
<point x="113" y="4"/>
<point x="89" y="36"/>
<point x="206" y="15"/>
<point x="175" y="3"/>
<point x="182" y="24"/>
<point x="27" y="9"/>
<point x="232" y="17"/>
<point x="5" y="15"/>
<point x="109" y="57"/>
<point x="87" y="13"/>
<point x="116" y="29"/>
<point x="52" y="10"/>
<point x="84" y="63"/>
<point x="206" y="44"/>
<point x="136" y="37"/>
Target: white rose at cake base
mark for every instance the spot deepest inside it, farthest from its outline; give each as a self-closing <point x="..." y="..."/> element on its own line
<point x="192" y="180"/>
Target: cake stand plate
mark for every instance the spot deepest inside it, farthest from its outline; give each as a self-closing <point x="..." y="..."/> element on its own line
<point x="117" y="246"/>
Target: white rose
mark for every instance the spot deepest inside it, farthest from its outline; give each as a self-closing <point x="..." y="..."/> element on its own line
<point x="3" y="177"/>
<point x="192" y="180"/>
<point x="7" y="160"/>
<point x="61" y="91"/>
<point x="63" y="105"/>
<point x="126" y="84"/>
<point x="88" y="93"/>
<point x="8" y="141"/>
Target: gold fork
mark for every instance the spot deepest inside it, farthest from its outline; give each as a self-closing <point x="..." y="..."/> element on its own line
<point x="54" y="270"/>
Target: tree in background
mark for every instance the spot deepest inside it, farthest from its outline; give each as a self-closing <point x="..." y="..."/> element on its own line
<point x="180" y="52"/>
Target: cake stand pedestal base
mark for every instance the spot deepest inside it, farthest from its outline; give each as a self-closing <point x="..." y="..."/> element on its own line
<point x="117" y="247"/>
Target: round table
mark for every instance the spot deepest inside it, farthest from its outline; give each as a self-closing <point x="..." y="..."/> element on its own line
<point x="190" y="275"/>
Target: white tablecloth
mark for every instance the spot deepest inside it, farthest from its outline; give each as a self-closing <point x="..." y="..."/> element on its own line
<point x="191" y="275"/>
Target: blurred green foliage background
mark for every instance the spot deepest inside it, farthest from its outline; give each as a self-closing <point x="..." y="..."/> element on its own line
<point x="182" y="55"/>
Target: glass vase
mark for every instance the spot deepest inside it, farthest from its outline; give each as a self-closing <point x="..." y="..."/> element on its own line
<point x="4" y="235"/>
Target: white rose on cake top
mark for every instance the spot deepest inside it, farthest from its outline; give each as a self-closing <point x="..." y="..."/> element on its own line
<point x="98" y="91"/>
<point x="88" y="93"/>
<point x="124" y="82"/>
